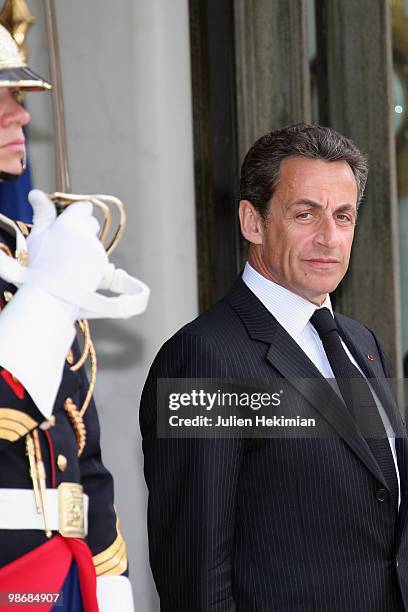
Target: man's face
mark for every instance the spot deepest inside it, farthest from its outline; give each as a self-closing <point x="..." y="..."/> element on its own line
<point x="306" y="242"/>
<point x="13" y="117"/>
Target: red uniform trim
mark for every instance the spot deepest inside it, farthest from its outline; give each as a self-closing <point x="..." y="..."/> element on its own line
<point x="52" y="459"/>
<point x="45" y="569"/>
<point x="14" y="384"/>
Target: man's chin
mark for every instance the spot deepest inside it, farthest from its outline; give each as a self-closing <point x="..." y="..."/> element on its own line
<point x="318" y="293"/>
<point x="320" y="284"/>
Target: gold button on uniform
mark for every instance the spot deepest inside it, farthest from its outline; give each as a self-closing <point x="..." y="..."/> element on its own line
<point x="62" y="463"/>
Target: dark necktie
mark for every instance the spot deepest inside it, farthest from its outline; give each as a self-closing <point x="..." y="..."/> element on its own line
<point x="357" y="396"/>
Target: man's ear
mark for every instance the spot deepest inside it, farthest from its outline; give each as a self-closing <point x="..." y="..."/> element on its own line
<point x="251" y="222"/>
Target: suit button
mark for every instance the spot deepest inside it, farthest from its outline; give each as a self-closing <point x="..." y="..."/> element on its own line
<point x="381" y="494"/>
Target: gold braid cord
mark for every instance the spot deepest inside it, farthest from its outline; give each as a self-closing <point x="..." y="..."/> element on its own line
<point x="77" y="423"/>
<point x="74" y="413"/>
<point x="84" y="327"/>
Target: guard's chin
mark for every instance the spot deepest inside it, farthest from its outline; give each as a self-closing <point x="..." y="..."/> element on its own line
<point x="7" y="176"/>
<point x="11" y="171"/>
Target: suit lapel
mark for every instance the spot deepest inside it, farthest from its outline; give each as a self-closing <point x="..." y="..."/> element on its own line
<point x="285" y="355"/>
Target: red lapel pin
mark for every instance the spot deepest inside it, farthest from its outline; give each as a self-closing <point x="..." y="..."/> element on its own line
<point x="370" y="357"/>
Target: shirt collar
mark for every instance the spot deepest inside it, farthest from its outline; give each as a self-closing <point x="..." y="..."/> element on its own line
<point x="289" y="309"/>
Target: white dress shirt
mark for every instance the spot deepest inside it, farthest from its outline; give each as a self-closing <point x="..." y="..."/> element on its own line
<point x="293" y="312"/>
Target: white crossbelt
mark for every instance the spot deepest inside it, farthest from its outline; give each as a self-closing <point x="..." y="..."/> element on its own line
<point x="18" y="510"/>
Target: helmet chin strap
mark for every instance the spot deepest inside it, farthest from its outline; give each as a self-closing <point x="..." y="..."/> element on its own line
<point x="7" y="176"/>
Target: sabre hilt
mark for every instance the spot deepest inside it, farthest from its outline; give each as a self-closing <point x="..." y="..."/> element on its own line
<point x="106" y="204"/>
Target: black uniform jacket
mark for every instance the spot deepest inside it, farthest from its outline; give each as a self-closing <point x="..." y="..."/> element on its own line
<point x="271" y="524"/>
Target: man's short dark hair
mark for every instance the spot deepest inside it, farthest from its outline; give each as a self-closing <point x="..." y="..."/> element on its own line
<point x="261" y="166"/>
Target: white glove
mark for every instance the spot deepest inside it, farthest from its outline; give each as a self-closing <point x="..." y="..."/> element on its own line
<point x="65" y="256"/>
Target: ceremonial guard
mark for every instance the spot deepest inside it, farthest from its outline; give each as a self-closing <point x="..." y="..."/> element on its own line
<point x="59" y="531"/>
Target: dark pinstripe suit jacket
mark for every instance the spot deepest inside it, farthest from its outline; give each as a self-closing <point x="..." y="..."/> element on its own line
<point x="272" y="524"/>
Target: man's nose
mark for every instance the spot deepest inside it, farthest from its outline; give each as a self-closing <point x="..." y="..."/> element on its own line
<point x="328" y="233"/>
<point x="15" y="113"/>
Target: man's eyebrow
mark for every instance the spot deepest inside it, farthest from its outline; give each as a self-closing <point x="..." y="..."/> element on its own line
<point x="313" y="204"/>
<point x="305" y="202"/>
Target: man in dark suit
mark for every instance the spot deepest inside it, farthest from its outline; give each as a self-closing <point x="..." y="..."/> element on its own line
<point x="275" y="524"/>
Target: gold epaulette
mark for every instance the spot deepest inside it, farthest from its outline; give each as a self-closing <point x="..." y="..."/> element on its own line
<point x="15" y="424"/>
<point x="113" y="560"/>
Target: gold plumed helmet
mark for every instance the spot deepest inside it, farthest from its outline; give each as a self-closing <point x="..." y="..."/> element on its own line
<point x="14" y="71"/>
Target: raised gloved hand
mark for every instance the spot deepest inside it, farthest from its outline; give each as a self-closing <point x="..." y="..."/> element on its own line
<point x="66" y="261"/>
<point x="65" y="256"/>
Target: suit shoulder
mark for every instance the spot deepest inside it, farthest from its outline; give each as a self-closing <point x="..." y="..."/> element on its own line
<point x="218" y="321"/>
<point x="200" y="347"/>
